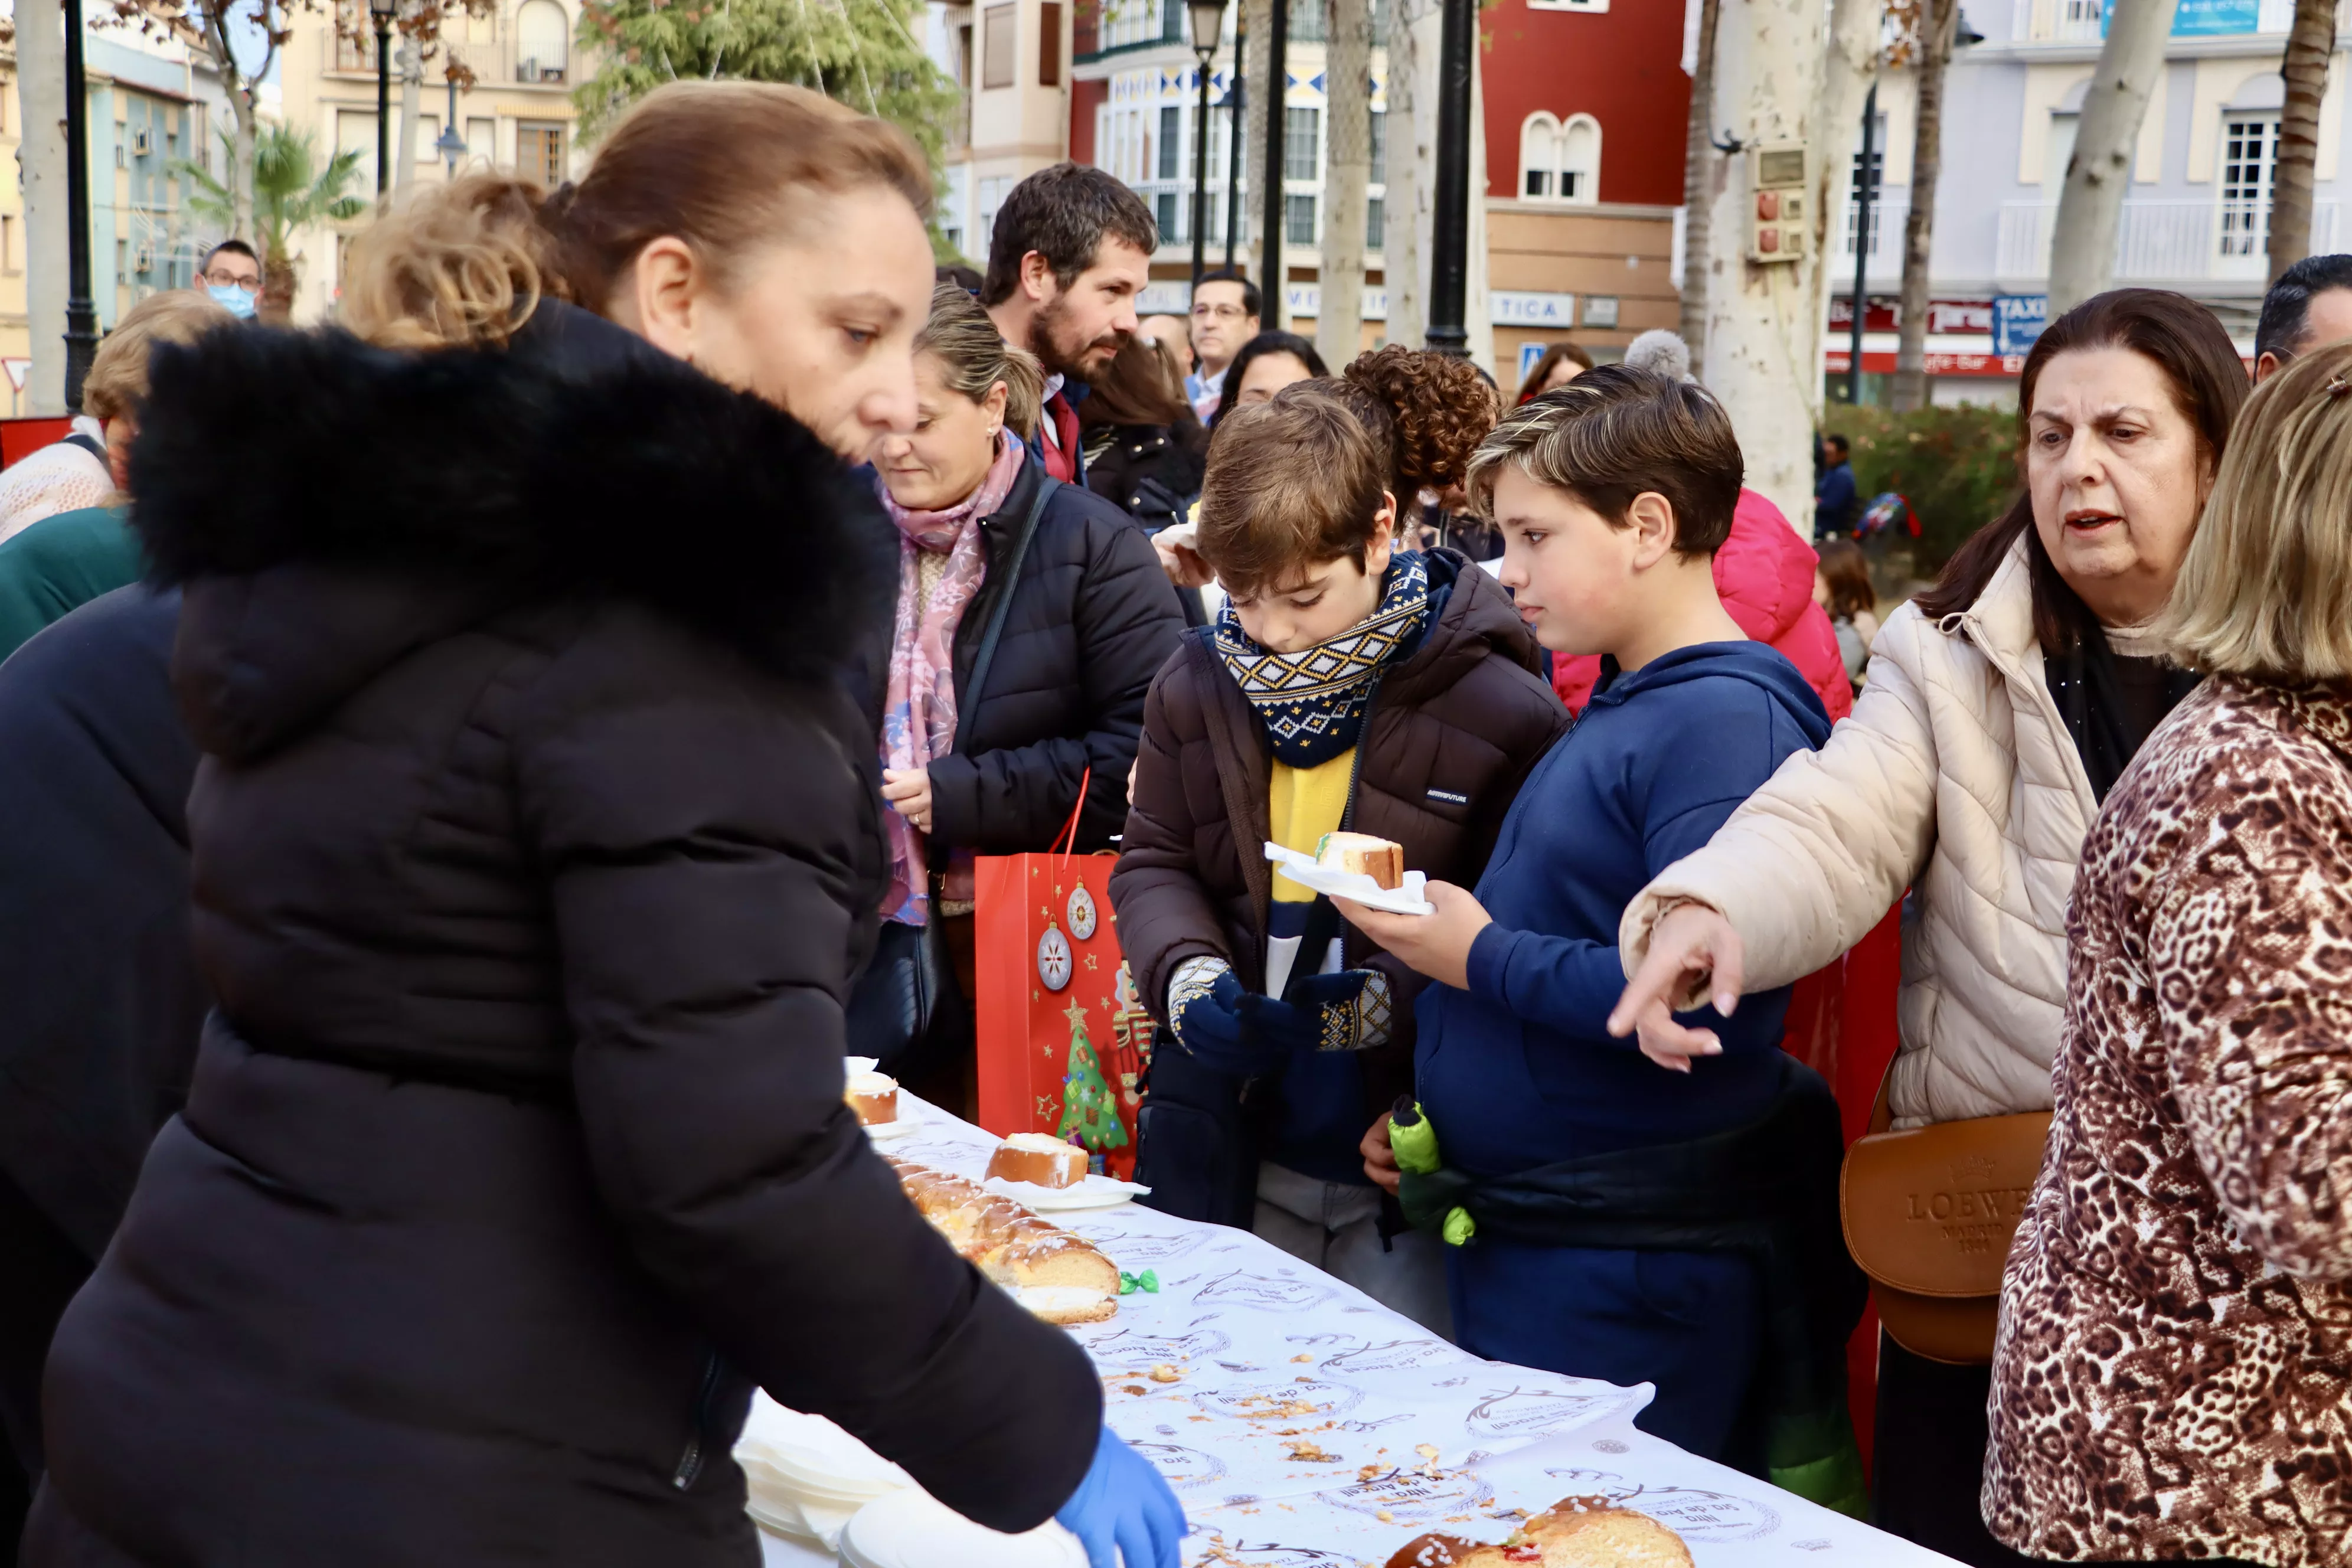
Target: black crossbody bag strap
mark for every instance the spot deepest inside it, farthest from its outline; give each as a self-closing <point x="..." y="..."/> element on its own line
<point x="968" y="699"/>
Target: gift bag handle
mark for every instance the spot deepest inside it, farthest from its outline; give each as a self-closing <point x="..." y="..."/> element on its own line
<point x="1065" y="842"/>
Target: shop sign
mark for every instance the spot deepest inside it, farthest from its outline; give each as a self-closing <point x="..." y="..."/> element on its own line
<point x="2017" y="320"/>
<point x="1510" y="308"/>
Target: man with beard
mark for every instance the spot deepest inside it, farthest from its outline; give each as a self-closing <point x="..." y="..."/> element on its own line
<point x="1070" y="251"/>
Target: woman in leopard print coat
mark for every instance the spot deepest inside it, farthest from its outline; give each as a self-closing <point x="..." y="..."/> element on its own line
<point x="2173" y="1377"/>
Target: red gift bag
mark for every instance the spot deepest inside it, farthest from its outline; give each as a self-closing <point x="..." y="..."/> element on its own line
<point x="1063" y="1037"/>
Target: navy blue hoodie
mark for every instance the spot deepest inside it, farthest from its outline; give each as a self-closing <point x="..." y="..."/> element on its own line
<point x="1519" y="1070"/>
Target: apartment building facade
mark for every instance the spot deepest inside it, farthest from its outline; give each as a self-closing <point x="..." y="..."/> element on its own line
<point x="515" y="113"/>
<point x="152" y="104"/>
<point x="2195" y="218"/>
<point x="1583" y="104"/>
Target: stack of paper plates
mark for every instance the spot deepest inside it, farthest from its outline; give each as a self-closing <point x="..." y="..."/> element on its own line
<point x="806" y="1476"/>
<point x="911" y="1530"/>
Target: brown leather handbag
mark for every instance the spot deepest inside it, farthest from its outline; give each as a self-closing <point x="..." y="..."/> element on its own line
<point x="1928" y="1214"/>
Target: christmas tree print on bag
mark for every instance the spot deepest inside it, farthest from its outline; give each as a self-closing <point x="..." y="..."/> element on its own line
<point x="1090" y="1106"/>
<point x="1062" y="1038"/>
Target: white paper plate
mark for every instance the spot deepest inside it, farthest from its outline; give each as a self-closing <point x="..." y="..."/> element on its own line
<point x="909" y="1121"/>
<point x="1306" y="872"/>
<point x="1092" y="1193"/>
<point x="912" y="1529"/>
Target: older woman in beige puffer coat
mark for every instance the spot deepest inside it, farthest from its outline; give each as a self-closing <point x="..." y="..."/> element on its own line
<point x="1999" y="710"/>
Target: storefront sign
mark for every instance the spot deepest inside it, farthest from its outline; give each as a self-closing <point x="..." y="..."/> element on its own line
<point x="1837" y="360"/>
<point x="1885" y="315"/>
<point x="1507" y="308"/>
<point x="2017" y="320"/>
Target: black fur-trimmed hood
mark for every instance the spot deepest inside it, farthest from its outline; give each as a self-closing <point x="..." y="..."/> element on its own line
<point x="433" y="489"/>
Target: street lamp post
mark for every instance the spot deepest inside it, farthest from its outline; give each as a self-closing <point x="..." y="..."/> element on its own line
<point x="1449" y="250"/>
<point x="1864" y="183"/>
<point x="1208" y="19"/>
<point x="1277" y="63"/>
<point x="449" y="144"/>
<point x="383" y="11"/>
<point x="1236" y="95"/>
<point x="82" y="310"/>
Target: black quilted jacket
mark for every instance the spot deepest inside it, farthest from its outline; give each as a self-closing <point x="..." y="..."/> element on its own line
<point x="535" y="843"/>
<point x="1093" y="617"/>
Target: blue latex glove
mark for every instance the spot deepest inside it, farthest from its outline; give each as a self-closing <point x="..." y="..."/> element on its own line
<point x="1124" y="1508"/>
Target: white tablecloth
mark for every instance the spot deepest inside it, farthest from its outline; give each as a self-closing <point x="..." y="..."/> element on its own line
<point x="1295" y="1428"/>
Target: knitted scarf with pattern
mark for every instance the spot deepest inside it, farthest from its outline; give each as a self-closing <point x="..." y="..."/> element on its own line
<point x="1312" y="703"/>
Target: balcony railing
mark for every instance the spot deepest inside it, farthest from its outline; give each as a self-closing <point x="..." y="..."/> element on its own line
<point x="2191" y="241"/>
<point x="1887" y="217"/>
<point x="2084" y="21"/>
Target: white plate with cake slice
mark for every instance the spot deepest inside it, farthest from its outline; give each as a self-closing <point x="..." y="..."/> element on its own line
<point x="1047" y="1174"/>
<point x="1092" y="1192"/>
<point x="1404" y="898"/>
<point x="908" y="1122"/>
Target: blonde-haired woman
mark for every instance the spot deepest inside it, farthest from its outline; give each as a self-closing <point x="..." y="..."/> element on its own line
<point x="535" y="843"/>
<point x="1031" y="618"/>
<point x="2173" y="1377"/>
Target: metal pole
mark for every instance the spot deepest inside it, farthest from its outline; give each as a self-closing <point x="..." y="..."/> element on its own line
<point x="1449" y="249"/>
<point x="1864" y="183"/>
<point x="451" y="143"/>
<point x="1201" y="180"/>
<point x="1237" y="90"/>
<point x="1273" y="274"/>
<point x="382" y="104"/>
<point x="82" y="310"/>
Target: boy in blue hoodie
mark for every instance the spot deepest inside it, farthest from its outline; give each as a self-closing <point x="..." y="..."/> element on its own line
<point x="1631" y="1219"/>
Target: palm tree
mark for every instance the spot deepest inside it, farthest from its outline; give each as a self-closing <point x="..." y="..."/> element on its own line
<point x="290" y="191"/>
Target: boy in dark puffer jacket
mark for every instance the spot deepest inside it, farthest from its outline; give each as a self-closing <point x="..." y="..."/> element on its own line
<point x="1346" y="685"/>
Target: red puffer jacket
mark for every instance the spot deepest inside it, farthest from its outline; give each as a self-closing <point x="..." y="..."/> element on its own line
<point x="1765" y="573"/>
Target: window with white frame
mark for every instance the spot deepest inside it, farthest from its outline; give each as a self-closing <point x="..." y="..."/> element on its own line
<point x="2249" y="158"/>
<point x="1299" y="220"/>
<point x="1539" y="157"/>
<point x="1580" y="160"/>
<point x="542" y="42"/>
<point x="1302" y="149"/>
<point x="1560" y="163"/>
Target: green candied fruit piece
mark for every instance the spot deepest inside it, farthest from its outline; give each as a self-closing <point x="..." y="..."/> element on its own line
<point x="1413" y="1136"/>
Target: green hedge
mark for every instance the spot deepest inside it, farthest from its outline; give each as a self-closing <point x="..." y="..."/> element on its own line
<point x="1957" y="466"/>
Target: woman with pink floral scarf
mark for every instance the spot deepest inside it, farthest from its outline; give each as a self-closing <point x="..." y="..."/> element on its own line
<point x="992" y="765"/>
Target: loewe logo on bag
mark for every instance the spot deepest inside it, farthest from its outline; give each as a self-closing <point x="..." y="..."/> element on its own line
<point x="1971" y="1219"/>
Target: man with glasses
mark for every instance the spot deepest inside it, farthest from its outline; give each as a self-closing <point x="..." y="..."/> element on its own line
<point x="1224" y="317"/>
<point x="232" y="276"/>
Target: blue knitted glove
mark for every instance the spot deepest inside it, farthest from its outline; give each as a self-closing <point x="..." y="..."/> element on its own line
<point x="1221" y="1024"/>
<point x="1238" y="1031"/>
<point x="1124" y="1508"/>
<point x="1351" y="1009"/>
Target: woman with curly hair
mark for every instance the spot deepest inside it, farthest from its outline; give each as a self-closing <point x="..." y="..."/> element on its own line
<point x="1347" y="683"/>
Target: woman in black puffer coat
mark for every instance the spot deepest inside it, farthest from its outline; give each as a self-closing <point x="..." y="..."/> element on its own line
<point x="984" y="753"/>
<point x="534" y="844"/>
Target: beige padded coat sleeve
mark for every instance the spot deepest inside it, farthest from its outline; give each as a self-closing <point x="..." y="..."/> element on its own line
<point x="1814" y="859"/>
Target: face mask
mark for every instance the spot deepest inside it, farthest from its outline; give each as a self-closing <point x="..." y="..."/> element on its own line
<point x="232" y="298"/>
